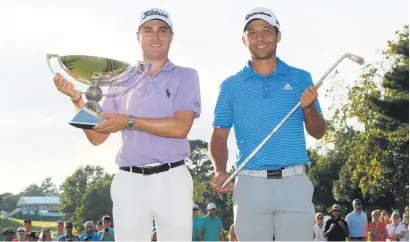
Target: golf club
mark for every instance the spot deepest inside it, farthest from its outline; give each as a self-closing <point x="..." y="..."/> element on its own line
<point x="359" y="60"/>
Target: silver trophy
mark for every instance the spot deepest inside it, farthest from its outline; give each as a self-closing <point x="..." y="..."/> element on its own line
<point x="97" y="73"/>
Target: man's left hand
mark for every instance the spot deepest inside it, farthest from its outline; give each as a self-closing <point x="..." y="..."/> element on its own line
<point x="113" y="122"/>
<point x="308" y="97"/>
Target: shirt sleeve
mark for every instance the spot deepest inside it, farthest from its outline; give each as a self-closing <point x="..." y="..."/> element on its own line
<point x="223" y="113"/>
<point x="309" y="83"/>
<point x="188" y="95"/>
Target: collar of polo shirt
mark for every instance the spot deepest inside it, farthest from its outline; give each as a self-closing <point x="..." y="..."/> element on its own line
<point x="248" y="72"/>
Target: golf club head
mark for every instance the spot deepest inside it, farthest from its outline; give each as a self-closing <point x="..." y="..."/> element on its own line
<point x="358" y="59"/>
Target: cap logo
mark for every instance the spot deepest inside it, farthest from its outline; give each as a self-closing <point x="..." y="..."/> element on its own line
<point x="154" y="12"/>
<point x="257" y="13"/>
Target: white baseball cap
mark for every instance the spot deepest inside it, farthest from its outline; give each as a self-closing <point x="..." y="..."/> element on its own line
<point x="155" y="13"/>
<point x="211" y="206"/>
<point x="195" y="206"/>
<point x="264" y="14"/>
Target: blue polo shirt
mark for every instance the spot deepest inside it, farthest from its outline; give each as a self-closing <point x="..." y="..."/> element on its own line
<point x="254" y="104"/>
<point x="94" y="237"/>
<point x="357" y="224"/>
<point x="107" y="238"/>
<point x="211" y="228"/>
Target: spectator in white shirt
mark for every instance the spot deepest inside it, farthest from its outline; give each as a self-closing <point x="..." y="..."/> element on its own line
<point x="319" y="228"/>
<point x="396" y="231"/>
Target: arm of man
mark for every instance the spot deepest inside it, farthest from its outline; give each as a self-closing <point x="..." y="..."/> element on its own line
<point x="201" y="227"/>
<point x="221" y="233"/>
<point x="315" y="123"/>
<point x="187" y="107"/>
<point x="200" y="235"/>
<point x="223" y="121"/>
<point x="218" y="144"/>
<point x="346" y="229"/>
<point x="327" y="228"/>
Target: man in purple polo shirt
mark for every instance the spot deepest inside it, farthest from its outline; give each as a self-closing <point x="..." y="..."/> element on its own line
<point x="153" y="180"/>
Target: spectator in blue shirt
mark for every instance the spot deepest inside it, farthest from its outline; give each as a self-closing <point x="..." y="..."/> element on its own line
<point x="89" y="235"/>
<point x="99" y="226"/>
<point x="210" y="226"/>
<point x="195" y="222"/>
<point x="107" y="234"/>
<point x="357" y="222"/>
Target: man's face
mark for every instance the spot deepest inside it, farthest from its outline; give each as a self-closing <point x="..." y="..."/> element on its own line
<point x="107" y="224"/>
<point x="89" y="229"/>
<point x="357" y="206"/>
<point x="336" y="213"/>
<point x="195" y="212"/>
<point x="155" y="37"/>
<point x="261" y="39"/>
<point x="212" y="212"/>
<point x="27" y="225"/>
<point x="69" y="228"/>
<point x="60" y="227"/>
<point x="100" y="227"/>
<point x="8" y="236"/>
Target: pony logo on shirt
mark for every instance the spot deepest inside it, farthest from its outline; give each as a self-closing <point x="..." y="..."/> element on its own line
<point x="167" y="93"/>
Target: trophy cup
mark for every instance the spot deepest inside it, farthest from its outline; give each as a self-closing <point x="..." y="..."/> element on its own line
<point x="97" y="72"/>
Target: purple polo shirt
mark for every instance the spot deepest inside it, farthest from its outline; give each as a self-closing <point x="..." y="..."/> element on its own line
<point x="172" y="89"/>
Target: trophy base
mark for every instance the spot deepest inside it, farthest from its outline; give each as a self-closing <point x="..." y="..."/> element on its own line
<point x="85" y="119"/>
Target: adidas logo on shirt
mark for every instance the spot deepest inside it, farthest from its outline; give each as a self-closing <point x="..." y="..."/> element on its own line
<point x="287" y="87"/>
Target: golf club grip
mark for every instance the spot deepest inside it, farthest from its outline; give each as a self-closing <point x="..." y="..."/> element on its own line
<point x="245" y="162"/>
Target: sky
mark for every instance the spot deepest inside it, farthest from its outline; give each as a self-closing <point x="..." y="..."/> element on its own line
<point x="35" y="139"/>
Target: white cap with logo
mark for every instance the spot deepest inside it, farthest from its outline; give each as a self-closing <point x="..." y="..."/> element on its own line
<point x="211" y="206"/>
<point x="155" y="13"/>
<point x="262" y="13"/>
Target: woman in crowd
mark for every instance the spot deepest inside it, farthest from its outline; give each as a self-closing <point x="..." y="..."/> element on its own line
<point x="319" y="227"/>
<point x="396" y="231"/>
<point x="406" y="224"/>
<point x="377" y="228"/>
<point x="45" y="234"/>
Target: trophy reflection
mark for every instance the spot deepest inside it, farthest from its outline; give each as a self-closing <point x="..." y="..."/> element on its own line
<point x="97" y="72"/>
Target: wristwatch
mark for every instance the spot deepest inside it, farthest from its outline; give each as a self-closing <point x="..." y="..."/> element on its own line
<point x="130" y="123"/>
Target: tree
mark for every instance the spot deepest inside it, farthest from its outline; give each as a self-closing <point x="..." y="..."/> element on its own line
<point x="374" y="147"/>
<point x="48" y="187"/>
<point x="76" y="185"/>
<point x="95" y="203"/>
<point x="9" y="201"/>
<point x="201" y="168"/>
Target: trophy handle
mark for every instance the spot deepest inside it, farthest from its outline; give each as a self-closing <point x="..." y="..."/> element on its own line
<point x="49" y="56"/>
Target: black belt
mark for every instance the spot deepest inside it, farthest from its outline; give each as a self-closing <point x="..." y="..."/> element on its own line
<point x="274" y="173"/>
<point x="149" y="170"/>
<point x="357" y="238"/>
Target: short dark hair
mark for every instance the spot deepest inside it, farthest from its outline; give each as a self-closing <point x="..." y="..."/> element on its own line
<point x="106" y="218"/>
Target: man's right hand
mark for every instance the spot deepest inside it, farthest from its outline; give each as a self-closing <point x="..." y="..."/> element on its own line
<point x="219" y="179"/>
<point x="64" y="86"/>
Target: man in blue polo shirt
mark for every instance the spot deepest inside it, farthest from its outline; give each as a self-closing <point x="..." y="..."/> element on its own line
<point x="272" y="192"/>
<point x="357" y="222"/>
<point x="210" y="226"/>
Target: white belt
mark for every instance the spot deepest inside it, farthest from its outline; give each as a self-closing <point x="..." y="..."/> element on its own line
<point x="286" y="172"/>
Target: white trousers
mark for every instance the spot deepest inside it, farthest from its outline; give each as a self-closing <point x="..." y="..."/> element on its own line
<point x="166" y="196"/>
